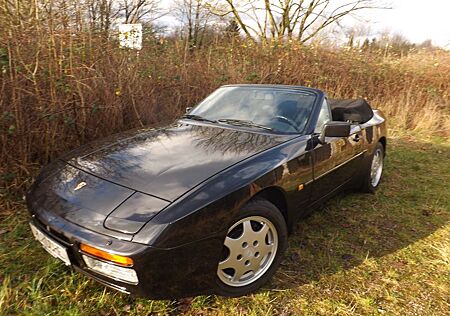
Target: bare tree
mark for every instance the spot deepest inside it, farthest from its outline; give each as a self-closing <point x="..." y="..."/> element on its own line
<point x="196" y="17"/>
<point x="104" y="13"/>
<point x="289" y="19"/>
<point x="101" y="14"/>
<point x="357" y="34"/>
<point x="133" y="11"/>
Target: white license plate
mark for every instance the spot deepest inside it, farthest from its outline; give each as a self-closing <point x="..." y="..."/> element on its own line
<point x="52" y="247"/>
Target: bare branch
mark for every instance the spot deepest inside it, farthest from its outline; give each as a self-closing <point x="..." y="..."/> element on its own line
<point x="284" y="18"/>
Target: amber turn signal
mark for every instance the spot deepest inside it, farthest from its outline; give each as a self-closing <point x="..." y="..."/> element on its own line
<point x="120" y="260"/>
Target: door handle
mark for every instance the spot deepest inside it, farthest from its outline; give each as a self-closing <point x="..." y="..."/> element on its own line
<point x="356" y="138"/>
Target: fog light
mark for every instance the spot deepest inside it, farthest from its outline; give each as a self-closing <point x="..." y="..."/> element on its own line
<point x="110" y="270"/>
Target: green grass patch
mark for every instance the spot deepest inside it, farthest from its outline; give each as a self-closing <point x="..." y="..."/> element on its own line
<point x="362" y="254"/>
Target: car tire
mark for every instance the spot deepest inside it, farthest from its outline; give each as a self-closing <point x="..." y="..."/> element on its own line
<point x="374" y="170"/>
<point x="252" y="250"/>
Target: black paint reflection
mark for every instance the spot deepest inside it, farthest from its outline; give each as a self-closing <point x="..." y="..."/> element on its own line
<point x="168" y="162"/>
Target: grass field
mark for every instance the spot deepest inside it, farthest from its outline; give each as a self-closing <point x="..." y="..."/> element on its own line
<point x="386" y="254"/>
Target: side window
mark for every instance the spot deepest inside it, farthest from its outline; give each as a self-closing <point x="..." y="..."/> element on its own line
<point x="324" y="117"/>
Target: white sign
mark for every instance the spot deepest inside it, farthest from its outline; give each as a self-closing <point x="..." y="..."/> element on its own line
<point x="130" y="36"/>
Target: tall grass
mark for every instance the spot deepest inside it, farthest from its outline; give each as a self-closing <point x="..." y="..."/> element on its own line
<point x="60" y="88"/>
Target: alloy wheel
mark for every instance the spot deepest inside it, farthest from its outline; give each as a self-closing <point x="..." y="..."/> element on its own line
<point x="250" y="247"/>
<point x="377" y="168"/>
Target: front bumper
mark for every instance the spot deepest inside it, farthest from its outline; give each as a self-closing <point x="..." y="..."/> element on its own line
<point x="182" y="271"/>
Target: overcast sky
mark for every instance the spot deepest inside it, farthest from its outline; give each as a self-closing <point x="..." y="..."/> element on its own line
<point x="417" y="20"/>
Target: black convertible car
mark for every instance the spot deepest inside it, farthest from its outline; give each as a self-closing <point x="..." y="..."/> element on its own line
<point x="205" y="205"/>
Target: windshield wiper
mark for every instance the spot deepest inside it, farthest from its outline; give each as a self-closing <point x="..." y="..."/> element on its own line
<point x="244" y="123"/>
<point x="197" y="118"/>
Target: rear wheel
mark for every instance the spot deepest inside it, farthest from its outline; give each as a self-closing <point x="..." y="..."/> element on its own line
<point x="374" y="171"/>
<point x="252" y="249"/>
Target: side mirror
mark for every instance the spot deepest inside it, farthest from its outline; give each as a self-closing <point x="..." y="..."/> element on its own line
<point x="335" y="129"/>
<point x="188" y="109"/>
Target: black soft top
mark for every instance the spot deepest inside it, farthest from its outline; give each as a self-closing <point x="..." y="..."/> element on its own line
<point x="353" y="110"/>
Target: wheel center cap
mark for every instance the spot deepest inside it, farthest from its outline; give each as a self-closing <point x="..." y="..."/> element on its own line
<point x="249" y="252"/>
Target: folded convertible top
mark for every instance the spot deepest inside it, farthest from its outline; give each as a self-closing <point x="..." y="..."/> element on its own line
<point x="353" y="110"/>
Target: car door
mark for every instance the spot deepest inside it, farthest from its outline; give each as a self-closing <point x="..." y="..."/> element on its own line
<point x="335" y="161"/>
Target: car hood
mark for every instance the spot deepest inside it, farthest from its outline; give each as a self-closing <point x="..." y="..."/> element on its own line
<point x="168" y="162"/>
<point x="116" y="185"/>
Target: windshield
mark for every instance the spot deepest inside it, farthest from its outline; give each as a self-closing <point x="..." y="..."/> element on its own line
<point x="277" y="109"/>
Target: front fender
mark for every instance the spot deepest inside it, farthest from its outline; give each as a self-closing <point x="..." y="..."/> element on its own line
<point x="209" y="209"/>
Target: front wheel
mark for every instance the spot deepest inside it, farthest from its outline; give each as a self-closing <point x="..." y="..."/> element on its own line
<point x="374" y="171"/>
<point x="252" y="249"/>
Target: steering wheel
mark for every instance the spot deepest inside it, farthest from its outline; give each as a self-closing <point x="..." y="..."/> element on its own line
<point x="287" y="120"/>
